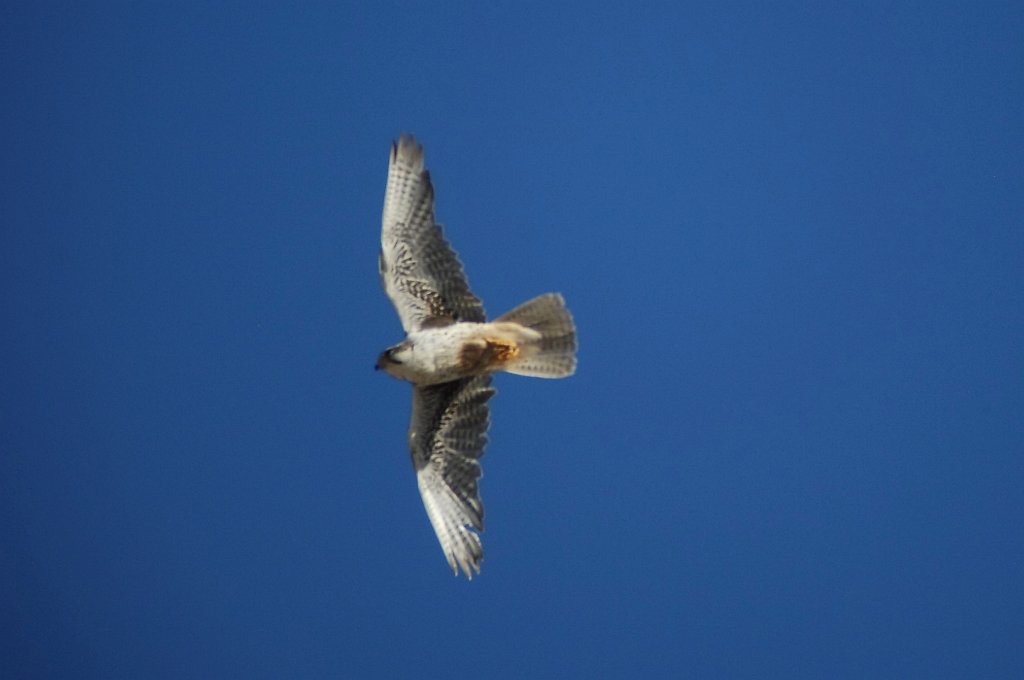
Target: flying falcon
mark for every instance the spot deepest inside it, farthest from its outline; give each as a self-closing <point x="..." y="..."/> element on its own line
<point x="450" y="351"/>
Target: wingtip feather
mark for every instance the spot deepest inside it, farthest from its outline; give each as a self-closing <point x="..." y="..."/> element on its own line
<point x="407" y="151"/>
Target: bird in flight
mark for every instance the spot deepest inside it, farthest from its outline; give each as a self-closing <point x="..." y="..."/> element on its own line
<point x="450" y="351"/>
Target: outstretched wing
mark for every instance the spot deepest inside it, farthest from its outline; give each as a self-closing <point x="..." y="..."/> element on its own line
<point x="447" y="436"/>
<point x="418" y="269"/>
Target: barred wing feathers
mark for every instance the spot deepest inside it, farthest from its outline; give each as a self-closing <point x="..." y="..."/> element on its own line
<point x="418" y="268"/>
<point x="447" y="436"/>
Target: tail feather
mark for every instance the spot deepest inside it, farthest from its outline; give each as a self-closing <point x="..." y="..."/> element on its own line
<point x="553" y="354"/>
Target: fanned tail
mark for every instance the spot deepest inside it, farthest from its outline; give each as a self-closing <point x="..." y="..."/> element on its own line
<point x="553" y="353"/>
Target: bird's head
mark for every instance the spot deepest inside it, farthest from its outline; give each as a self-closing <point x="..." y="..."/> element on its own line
<point x="392" y="359"/>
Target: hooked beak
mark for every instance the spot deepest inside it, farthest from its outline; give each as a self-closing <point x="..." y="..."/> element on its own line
<point x="384" y="360"/>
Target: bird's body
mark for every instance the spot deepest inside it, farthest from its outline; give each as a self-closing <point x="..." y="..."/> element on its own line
<point x="449" y="352"/>
<point x="459" y="350"/>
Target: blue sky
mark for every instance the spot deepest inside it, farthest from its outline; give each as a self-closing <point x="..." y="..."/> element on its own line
<point x="792" y="236"/>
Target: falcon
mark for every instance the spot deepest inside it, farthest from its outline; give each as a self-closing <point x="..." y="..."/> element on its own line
<point x="450" y="351"/>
